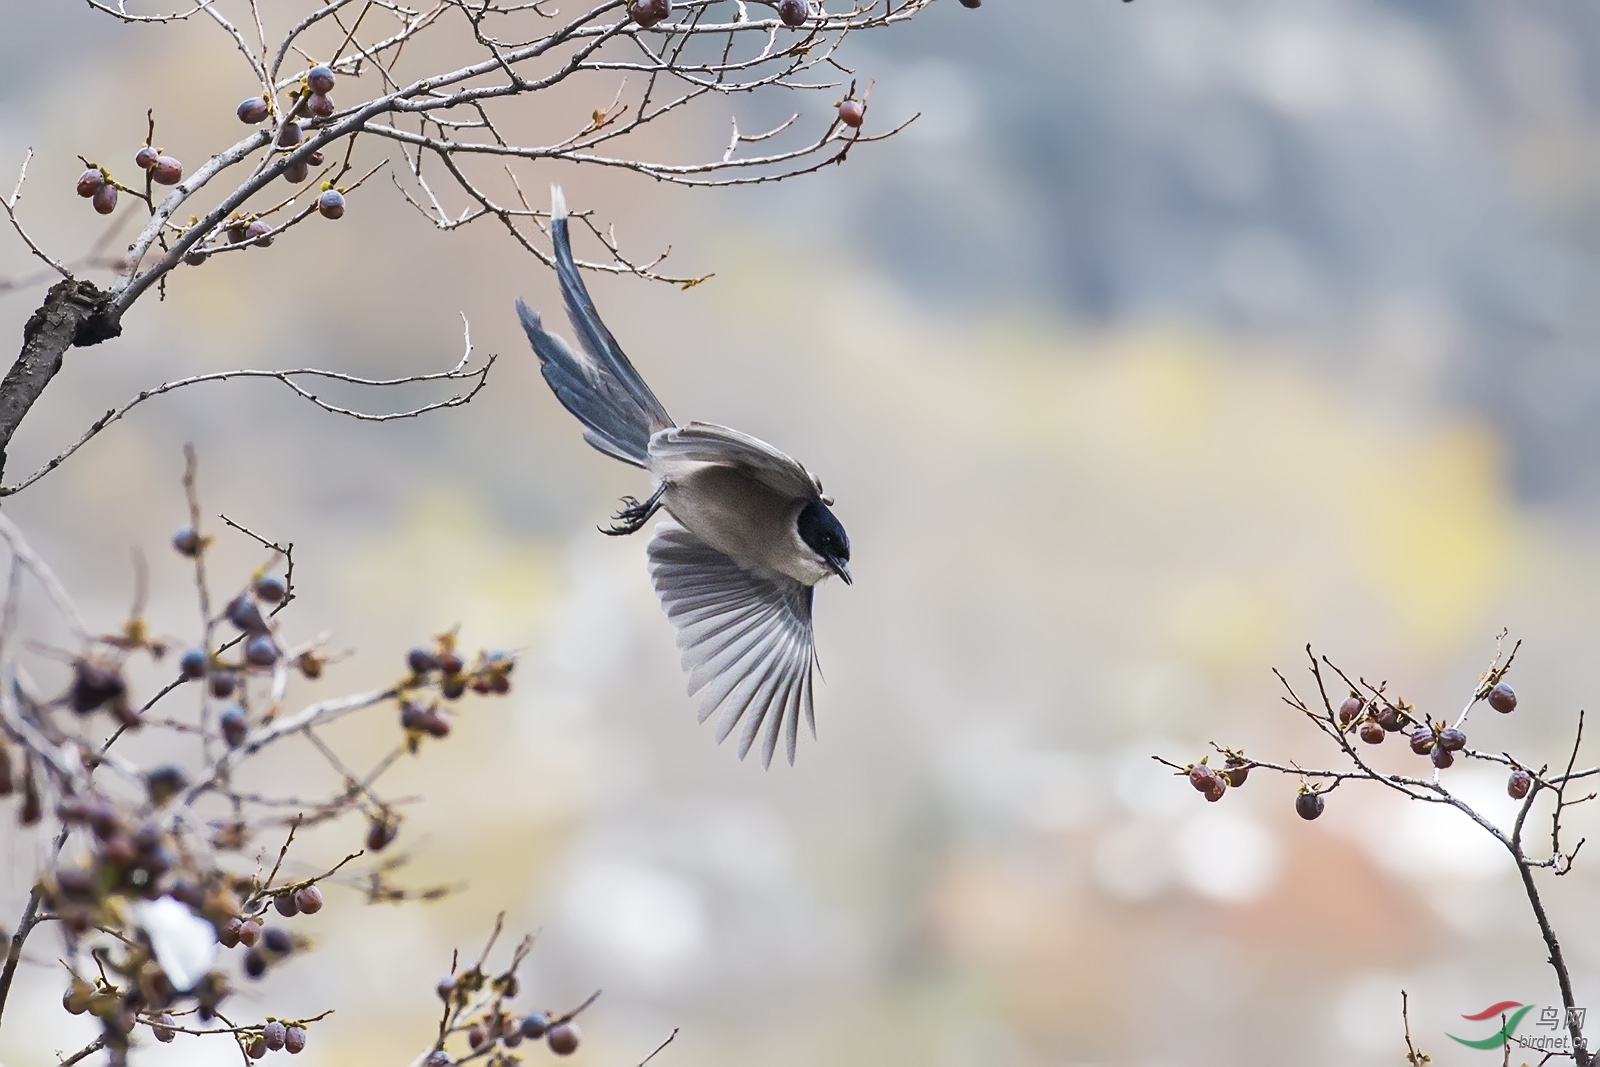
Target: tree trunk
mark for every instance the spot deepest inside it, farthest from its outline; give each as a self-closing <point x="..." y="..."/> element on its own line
<point x="74" y="313"/>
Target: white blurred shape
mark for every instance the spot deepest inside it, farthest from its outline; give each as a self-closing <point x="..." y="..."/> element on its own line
<point x="651" y="920"/>
<point x="1423" y="840"/>
<point x="1368" y="1012"/>
<point x="1144" y="786"/>
<point x="1228" y="856"/>
<point x="749" y="845"/>
<point x="185" y="944"/>
<point x="1132" y="861"/>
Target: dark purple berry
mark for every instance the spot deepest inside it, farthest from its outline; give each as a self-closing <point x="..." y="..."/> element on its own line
<point x="275" y="1034"/>
<point x="852" y="113"/>
<point x="446" y="988"/>
<point x="380" y="832"/>
<point x="105" y="199"/>
<point x="563" y="1038"/>
<point x="1201" y="777"/>
<point x="286" y="905"/>
<point x="315" y="159"/>
<point x="413" y="717"/>
<point x="276" y="940"/>
<point x="321" y="105"/>
<point x="794" y="12"/>
<point x="331" y="204"/>
<point x="228" y="932"/>
<point x="477" y="1035"/>
<point x="255" y="964"/>
<point x="195" y="256"/>
<point x="450" y="663"/>
<point x="289" y="136"/>
<point x="1389" y="718"/>
<point x="145" y="158"/>
<point x="421" y="661"/>
<point x="1452" y="740"/>
<point x="167" y="171"/>
<point x="235" y="724"/>
<point x="164" y="783"/>
<point x="1503" y="698"/>
<point x="1236" y="772"/>
<point x="164" y="1027"/>
<point x="237" y="233"/>
<point x="257" y="231"/>
<point x="436" y="724"/>
<point x="320" y="78"/>
<point x="1372" y="732"/>
<point x="256" y="1049"/>
<point x="453" y="686"/>
<point x="271" y="589"/>
<point x="1215" y="790"/>
<point x="1518" y="784"/>
<point x="309" y="898"/>
<point x="1349" y="710"/>
<point x="223" y="684"/>
<point x="93" y="686"/>
<point x="649" y="12"/>
<point x="979" y="3"/>
<point x="1308" y="805"/>
<point x="261" y="650"/>
<point x="295" y="1040"/>
<point x="1422" y="741"/>
<point x="245" y="613"/>
<point x="534" y="1024"/>
<point x="253" y="110"/>
<point x="90" y="182"/>
<point x="1442" y="757"/>
<point x="296" y="172"/>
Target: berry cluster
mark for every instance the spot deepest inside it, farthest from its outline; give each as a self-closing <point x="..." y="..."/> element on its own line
<point x="649" y="12"/>
<point x="490" y="1025"/>
<point x="1214" y="783"/>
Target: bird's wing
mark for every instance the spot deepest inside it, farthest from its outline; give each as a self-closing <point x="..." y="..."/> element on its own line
<point x="746" y="639"/>
<point x="703" y="442"/>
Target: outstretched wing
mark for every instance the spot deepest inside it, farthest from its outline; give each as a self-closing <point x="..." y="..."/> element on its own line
<point x="703" y="442"/>
<point x="746" y="639"/>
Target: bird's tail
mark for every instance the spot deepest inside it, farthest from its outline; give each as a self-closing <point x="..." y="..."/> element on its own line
<point x="599" y="386"/>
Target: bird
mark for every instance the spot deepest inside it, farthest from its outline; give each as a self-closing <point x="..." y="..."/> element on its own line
<point x="749" y="532"/>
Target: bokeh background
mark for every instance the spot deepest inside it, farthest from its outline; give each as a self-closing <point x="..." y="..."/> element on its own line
<point x="1174" y="336"/>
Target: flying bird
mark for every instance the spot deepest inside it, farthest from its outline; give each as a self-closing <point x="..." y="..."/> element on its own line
<point x="750" y="533"/>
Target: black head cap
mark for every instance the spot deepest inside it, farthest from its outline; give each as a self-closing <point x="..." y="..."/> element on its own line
<point x="820" y="530"/>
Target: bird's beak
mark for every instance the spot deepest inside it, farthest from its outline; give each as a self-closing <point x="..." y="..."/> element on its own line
<point x="841" y="570"/>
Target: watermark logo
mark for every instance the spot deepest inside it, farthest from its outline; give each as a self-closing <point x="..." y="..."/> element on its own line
<point x="1511" y="1013"/>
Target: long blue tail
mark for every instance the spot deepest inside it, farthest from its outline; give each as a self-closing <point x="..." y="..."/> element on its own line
<point x="616" y="407"/>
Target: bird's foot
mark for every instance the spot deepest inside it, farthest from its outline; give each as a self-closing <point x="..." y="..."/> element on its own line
<point x="634" y="514"/>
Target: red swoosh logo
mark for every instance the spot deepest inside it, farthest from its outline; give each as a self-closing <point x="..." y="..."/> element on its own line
<point x="1493" y="1010"/>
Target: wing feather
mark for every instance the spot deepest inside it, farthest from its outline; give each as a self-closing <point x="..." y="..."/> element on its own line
<point x="745" y="636"/>
<point x="703" y="442"/>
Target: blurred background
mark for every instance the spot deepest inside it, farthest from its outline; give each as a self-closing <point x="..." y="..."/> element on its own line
<point x="1172" y="337"/>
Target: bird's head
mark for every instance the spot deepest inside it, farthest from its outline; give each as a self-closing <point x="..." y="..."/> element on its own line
<point x="823" y="534"/>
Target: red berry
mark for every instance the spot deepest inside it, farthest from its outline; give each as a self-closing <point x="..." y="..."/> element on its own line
<point x="331" y="204"/>
<point x="275" y="1034"/>
<point x="1422" y="741"/>
<point x="257" y="232"/>
<point x="1518" y="784"/>
<point x="1452" y="740"/>
<point x="295" y="1040"/>
<point x="145" y="158"/>
<point x="90" y="181"/>
<point x="249" y="933"/>
<point x="105" y="199"/>
<point x="1503" y="698"/>
<point x="1372" y="732"/>
<point x="1201" y="777"/>
<point x="1443" y="757"/>
<point x="852" y="113"/>
<point x="1349" y="710"/>
<point x="436" y="724"/>
<point x="450" y="663"/>
<point x="1215" y="790"/>
<point x="1308" y="805"/>
<point x="167" y="171"/>
<point x="315" y="159"/>
<point x="309" y="898"/>
<point x="320" y="105"/>
<point x="477" y="1035"/>
<point x="563" y="1038"/>
<point x="793" y="12"/>
<point x="320" y="78"/>
<point x="253" y="110"/>
<point x="649" y="12"/>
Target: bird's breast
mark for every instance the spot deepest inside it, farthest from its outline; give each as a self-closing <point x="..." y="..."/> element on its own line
<point x="742" y="517"/>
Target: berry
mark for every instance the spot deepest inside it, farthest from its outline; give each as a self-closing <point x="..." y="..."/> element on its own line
<point x="164" y="783"/>
<point x="309" y="898"/>
<point x="1236" y="772"/>
<point x="1308" y="805"/>
<point x="249" y="933"/>
<point x="275" y="1034"/>
<point x="164" y="1027"/>
<point x="315" y="159"/>
<point x="167" y="171"/>
<point x="534" y="1024"/>
<point x="255" y="964"/>
<point x="235" y="724"/>
<point x="296" y="172"/>
<point x="90" y="182"/>
<point x="1443" y="757"/>
<point x="321" y="105"/>
<point x="1349" y="710"/>
<point x="512" y="1039"/>
<point x="276" y="940"/>
<point x="413" y="717"/>
<point x="195" y="256"/>
<point x="1388" y="717"/>
<point x="793" y="12"/>
<point x="105" y="199"/>
<point x="450" y="663"/>
<point x="145" y="158"/>
<point x="440" y="1058"/>
<point x="852" y="113"/>
<point x="446" y="986"/>
<point x="257" y="232"/>
<point x="477" y="1035"/>
<point x="320" y="78"/>
<point x="649" y="12"/>
<point x="257" y="1048"/>
<point x="1518" y="784"/>
<point x="563" y="1038"/>
<point x="453" y="686"/>
<point x="1372" y="732"/>
<point x="287" y="906"/>
<point x="260" y="650"/>
<point x="421" y="661"/>
<point x="295" y="1040"/>
<point x="331" y="204"/>
<point x="228" y="933"/>
<point x="253" y="110"/>
<point x="93" y="686"/>
<point x="1452" y="740"/>
<point x="979" y="3"/>
<point x="1201" y="777"/>
<point x="222" y="684"/>
<point x="245" y="613"/>
<point x="289" y="136"/>
<point x="436" y="724"/>
<point x="236" y="233"/>
<point x="1215" y="790"/>
<point x="271" y="589"/>
<point x="310" y="665"/>
<point x="1503" y="698"/>
<point x="1422" y="741"/>
<point x="379" y="833"/>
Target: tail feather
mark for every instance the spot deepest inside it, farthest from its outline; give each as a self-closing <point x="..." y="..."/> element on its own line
<point x="617" y="408"/>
